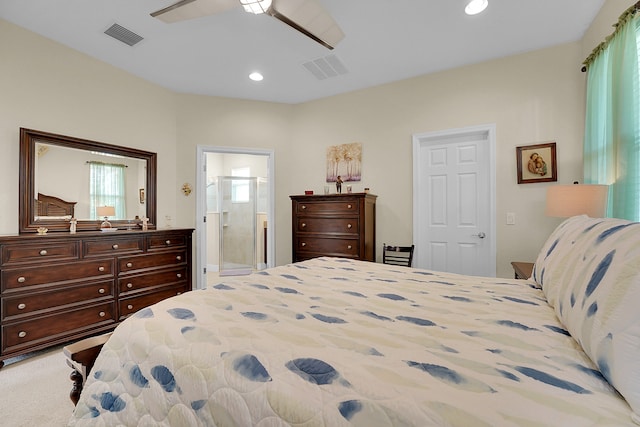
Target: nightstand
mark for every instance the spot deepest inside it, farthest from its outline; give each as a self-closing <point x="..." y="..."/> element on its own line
<point x="522" y="270"/>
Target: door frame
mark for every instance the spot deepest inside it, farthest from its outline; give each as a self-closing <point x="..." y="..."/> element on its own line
<point x="424" y="139"/>
<point x="201" y="197"/>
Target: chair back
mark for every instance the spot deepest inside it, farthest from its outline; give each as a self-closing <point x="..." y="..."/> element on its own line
<point x="397" y="255"/>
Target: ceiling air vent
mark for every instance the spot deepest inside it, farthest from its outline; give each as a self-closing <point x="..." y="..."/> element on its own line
<point x="328" y="66"/>
<point x="120" y="33"/>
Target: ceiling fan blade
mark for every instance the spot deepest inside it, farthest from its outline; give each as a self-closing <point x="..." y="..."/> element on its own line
<point x="190" y="9"/>
<point x="310" y="18"/>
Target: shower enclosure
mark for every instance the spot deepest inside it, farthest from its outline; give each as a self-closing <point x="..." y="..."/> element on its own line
<point x="237" y="210"/>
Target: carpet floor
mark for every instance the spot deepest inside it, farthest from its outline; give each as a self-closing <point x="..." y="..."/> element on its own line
<point x="35" y="390"/>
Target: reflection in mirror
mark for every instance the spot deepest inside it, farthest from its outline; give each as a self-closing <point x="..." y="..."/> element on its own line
<point x="63" y="177"/>
<point x="93" y="179"/>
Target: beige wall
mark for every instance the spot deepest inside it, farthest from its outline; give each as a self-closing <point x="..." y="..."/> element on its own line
<point x="533" y="97"/>
<point x="48" y="87"/>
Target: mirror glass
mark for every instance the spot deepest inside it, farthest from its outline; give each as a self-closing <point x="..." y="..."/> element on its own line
<point x="64" y="177"/>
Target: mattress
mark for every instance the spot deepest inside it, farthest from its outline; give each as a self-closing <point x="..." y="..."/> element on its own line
<point x="338" y="342"/>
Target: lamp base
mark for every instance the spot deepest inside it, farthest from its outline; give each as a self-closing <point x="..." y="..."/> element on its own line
<point x="105" y="223"/>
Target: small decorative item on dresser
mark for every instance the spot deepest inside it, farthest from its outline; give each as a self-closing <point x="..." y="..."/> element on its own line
<point x="366" y="190"/>
<point x="349" y="189"/>
<point x="73" y="223"/>
<point x="42" y="230"/>
<point x="308" y="192"/>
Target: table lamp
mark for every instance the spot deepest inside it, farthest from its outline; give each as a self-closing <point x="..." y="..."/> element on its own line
<point x="105" y="211"/>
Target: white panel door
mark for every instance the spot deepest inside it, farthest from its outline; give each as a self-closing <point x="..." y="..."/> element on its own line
<point x="454" y="214"/>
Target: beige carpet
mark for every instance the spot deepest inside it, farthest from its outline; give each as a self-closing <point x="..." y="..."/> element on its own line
<point x="35" y="390"/>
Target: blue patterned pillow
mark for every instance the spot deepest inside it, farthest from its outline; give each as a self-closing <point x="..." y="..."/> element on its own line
<point x="589" y="270"/>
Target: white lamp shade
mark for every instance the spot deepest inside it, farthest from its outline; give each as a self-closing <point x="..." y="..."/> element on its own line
<point x="106" y="211"/>
<point x="577" y="199"/>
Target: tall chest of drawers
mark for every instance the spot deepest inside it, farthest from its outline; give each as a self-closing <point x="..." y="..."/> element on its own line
<point x="340" y="225"/>
<point x="61" y="287"/>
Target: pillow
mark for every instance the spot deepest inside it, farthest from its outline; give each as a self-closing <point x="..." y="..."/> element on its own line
<point x="589" y="270"/>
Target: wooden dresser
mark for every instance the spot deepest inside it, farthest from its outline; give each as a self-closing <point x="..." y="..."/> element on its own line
<point x="340" y="225"/>
<point x="61" y="287"/>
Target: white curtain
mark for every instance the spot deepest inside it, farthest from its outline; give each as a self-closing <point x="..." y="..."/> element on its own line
<point x="107" y="188"/>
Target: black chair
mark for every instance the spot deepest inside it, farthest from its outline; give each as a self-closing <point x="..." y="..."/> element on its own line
<point x="397" y="255"/>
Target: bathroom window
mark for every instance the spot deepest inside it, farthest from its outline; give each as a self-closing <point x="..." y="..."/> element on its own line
<point x="240" y="187"/>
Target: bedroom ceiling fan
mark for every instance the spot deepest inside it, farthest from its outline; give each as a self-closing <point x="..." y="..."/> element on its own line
<point x="305" y="16"/>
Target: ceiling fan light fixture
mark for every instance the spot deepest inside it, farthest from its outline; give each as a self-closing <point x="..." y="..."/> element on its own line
<point x="256" y="6"/>
<point x="476" y="6"/>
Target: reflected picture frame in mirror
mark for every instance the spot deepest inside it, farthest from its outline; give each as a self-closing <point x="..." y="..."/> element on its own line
<point x="33" y="140"/>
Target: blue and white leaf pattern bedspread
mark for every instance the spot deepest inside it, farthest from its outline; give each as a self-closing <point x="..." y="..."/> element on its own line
<point x="336" y="342"/>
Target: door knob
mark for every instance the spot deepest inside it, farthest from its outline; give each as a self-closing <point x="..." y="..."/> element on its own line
<point x="480" y="235"/>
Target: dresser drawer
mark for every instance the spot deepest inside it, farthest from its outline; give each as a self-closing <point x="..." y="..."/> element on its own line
<point x="35" y="302"/>
<point x="164" y="259"/>
<point x="48" y="328"/>
<point x="166" y="241"/>
<point x="341" y="207"/>
<point x="134" y="283"/>
<point x="328" y="225"/>
<point x="40" y="252"/>
<point x="13" y="279"/>
<point x="133" y="304"/>
<point x="328" y="246"/>
<point x="113" y="246"/>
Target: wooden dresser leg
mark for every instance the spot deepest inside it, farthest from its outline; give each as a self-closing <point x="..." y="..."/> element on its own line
<point x="76" y="378"/>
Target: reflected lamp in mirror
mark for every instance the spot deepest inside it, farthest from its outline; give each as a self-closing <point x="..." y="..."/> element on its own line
<point x="577" y="199"/>
<point x="106" y="212"/>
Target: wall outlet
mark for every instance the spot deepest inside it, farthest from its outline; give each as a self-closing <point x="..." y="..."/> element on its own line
<point x="511" y="218"/>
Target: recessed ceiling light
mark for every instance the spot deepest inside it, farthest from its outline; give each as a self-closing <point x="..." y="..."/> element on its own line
<point x="256" y="76"/>
<point x="476" y="6"/>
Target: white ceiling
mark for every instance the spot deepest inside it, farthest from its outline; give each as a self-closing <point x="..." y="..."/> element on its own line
<point x="386" y="40"/>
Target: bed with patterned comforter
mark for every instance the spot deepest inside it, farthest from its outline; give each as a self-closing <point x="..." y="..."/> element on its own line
<point x="337" y="342"/>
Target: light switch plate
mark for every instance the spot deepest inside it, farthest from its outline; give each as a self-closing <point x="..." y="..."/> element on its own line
<point x="511" y="218"/>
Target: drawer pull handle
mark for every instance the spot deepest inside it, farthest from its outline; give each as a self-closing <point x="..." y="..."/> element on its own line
<point x="22" y="334"/>
<point x="304" y="206"/>
<point x="115" y="246"/>
<point x="102" y="314"/>
<point x="129" y="264"/>
<point x="304" y="225"/>
<point x="303" y="244"/>
<point x="101" y="291"/>
<point x="43" y="252"/>
<point x="168" y="242"/>
<point x="349" y="247"/>
<point x="22" y="306"/>
<point x="129" y="285"/>
<point x="21" y="279"/>
<point x="348" y="206"/>
<point x="179" y="258"/>
<point x="349" y="225"/>
<point x="179" y="275"/>
<point x="130" y="306"/>
<point x="101" y="268"/>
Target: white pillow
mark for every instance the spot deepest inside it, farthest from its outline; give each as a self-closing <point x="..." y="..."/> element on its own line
<point x="589" y="270"/>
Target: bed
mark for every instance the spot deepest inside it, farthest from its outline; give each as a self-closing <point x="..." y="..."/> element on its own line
<point x="339" y="342"/>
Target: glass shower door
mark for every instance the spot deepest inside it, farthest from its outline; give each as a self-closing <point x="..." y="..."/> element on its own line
<point x="237" y="225"/>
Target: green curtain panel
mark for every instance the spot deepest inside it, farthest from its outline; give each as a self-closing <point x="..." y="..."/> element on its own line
<point x="612" y="122"/>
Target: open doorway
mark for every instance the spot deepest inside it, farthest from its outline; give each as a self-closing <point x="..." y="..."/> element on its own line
<point x="234" y="205"/>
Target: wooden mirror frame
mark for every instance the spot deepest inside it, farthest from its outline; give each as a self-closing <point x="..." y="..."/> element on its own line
<point x="27" y="203"/>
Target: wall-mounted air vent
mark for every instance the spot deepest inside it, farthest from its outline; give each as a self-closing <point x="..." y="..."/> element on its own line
<point x="124" y="35"/>
<point x="328" y="66"/>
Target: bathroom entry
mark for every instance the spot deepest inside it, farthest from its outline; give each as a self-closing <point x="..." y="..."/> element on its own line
<point x="234" y="236"/>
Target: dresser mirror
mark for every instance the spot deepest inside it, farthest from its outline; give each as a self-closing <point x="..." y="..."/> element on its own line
<point x="63" y="177"/>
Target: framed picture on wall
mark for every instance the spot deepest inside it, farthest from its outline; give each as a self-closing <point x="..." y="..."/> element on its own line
<point x="537" y="163"/>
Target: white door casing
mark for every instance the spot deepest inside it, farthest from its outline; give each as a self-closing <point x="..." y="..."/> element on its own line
<point x="201" y="205"/>
<point x="454" y="200"/>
